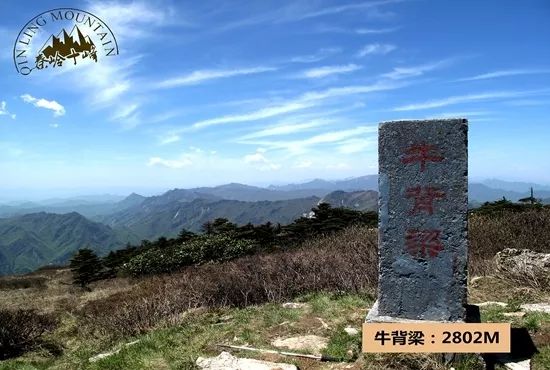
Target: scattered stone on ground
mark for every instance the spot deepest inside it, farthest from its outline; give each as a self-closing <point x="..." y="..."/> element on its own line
<point x="313" y="343"/>
<point x="514" y="314"/>
<point x="523" y="263"/>
<point x="351" y="331"/>
<point x="324" y="324"/>
<point x="226" y="361"/>
<point x="520" y="365"/>
<point x="295" y="305"/>
<point x="108" y="354"/>
<point x="491" y="303"/>
<point x="536" y="307"/>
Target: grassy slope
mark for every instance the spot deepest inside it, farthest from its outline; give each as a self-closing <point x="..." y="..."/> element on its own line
<point x="178" y="346"/>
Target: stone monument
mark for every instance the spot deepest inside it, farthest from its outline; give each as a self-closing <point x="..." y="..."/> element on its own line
<point x="423" y="224"/>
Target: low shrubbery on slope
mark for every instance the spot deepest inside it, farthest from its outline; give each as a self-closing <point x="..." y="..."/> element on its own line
<point x="223" y="240"/>
<point x="21" y="331"/>
<point x="204" y="248"/>
<point x="342" y="262"/>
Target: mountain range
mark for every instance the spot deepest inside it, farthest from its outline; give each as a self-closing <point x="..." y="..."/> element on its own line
<point x="33" y="240"/>
<point x="49" y="232"/>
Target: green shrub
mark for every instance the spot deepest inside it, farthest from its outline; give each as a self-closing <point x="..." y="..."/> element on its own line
<point x="202" y="249"/>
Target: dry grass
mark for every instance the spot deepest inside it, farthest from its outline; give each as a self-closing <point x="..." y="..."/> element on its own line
<point x="325" y="264"/>
<point x="489" y="235"/>
<point x="55" y="293"/>
<point x="166" y="307"/>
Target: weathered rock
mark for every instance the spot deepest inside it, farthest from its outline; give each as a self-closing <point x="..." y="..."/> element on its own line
<point x="312" y="343"/>
<point x="226" y="361"/>
<point x="518" y="365"/>
<point x="101" y="356"/>
<point x="423" y="227"/>
<point x="351" y="331"/>
<point x="491" y="303"/>
<point x="536" y="307"/>
<point x="514" y="314"/>
<point x="524" y="264"/>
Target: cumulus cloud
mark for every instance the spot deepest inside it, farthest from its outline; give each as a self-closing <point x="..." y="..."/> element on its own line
<point x="181" y="162"/>
<point x="260" y="161"/>
<point x="58" y="109"/>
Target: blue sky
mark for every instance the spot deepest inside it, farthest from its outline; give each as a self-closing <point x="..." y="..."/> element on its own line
<point x="211" y="92"/>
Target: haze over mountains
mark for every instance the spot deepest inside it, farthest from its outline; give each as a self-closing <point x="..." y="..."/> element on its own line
<point x="33" y="234"/>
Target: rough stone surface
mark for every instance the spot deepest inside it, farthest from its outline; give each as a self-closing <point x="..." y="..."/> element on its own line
<point x="513" y="314"/>
<point x="491" y="303"/>
<point x="226" y="361"/>
<point x="312" y="343"/>
<point x="351" y="331"/>
<point x="101" y="356"/>
<point x="428" y="283"/>
<point x="536" y="307"/>
<point x="524" y="264"/>
<point x="519" y="365"/>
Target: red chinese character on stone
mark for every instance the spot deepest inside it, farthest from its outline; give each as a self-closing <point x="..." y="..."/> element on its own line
<point x="423" y="243"/>
<point x="424" y="198"/>
<point x="421" y="153"/>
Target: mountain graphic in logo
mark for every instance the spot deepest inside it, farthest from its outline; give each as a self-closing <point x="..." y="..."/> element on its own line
<point x="56" y="50"/>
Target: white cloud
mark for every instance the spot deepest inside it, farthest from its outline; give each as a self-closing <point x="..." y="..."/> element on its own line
<point x="353" y="146"/>
<point x="169" y="139"/>
<point x="303" y="164"/>
<point x="299" y="10"/>
<point x="464" y="99"/>
<point x="194" y="157"/>
<point x="135" y="19"/>
<point x="415" y="71"/>
<point x="181" y="162"/>
<point x="255" y="158"/>
<point x="505" y="73"/>
<point x="344" y="8"/>
<point x="125" y="111"/>
<point x="286" y="128"/>
<point x="325" y="71"/>
<point x="58" y="109"/>
<point x="260" y="161"/>
<point x="302" y="102"/>
<point x="200" y="76"/>
<point x="296" y="147"/>
<point x="368" y="31"/>
<point x="323" y="53"/>
<point x="380" y="49"/>
<point x="4" y="110"/>
<point x="266" y="112"/>
<point x="54" y="125"/>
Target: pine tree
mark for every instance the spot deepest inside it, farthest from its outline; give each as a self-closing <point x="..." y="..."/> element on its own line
<point x="85" y="266"/>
